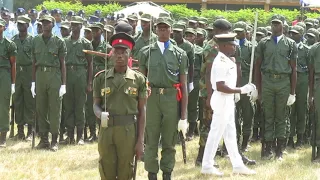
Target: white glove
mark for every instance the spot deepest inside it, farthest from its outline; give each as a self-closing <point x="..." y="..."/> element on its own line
<point x="62" y="90"/>
<point x="33" y="89"/>
<point x="247" y="88"/>
<point x="236" y="97"/>
<point x="190" y="86"/>
<point x="104" y="119"/>
<point x="254" y="96"/>
<point x="13" y="88"/>
<point x="291" y="99"/>
<point x="183" y="126"/>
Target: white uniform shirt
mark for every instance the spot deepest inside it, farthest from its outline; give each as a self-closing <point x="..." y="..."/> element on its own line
<point x="223" y="70"/>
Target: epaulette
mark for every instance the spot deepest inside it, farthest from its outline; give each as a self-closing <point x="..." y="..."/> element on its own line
<point x="98" y="73"/>
<point x="179" y="49"/>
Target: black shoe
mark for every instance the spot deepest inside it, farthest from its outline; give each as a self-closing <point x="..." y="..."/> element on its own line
<point x="248" y="161"/>
<point x="29" y="133"/>
<point x="244" y="145"/>
<point x="79" y="136"/>
<point x="198" y="162"/>
<point x="70" y="139"/>
<point x="93" y="136"/>
<point x="299" y="142"/>
<point x="255" y="135"/>
<point x="190" y="133"/>
<point x="44" y="142"/>
<point x="152" y="176"/>
<point x="20" y="136"/>
<point x="268" y="151"/>
<point x="166" y="176"/>
<point x="54" y="143"/>
<point x="3" y="136"/>
<point x="290" y="143"/>
<point x="280" y="148"/>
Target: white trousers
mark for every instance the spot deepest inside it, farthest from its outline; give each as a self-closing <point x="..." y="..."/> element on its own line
<point x="222" y="125"/>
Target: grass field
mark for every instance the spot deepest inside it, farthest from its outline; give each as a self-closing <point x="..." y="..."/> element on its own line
<point x="18" y="161"/>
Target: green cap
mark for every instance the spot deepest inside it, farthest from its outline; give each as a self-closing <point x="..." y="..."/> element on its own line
<point x="2" y="22"/>
<point x="166" y="21"/>
<point x="184" y="19"/>
<point x="203" y="20"/>
<point x="47" y="18"/>
<point x="201" y="31"/>
<point x="262" y="31"/>
<point x="178" y="27"/>
<point x="269" y="29"/>
<point x="240" y="26"/>
<point x="193" y="19"/>
<point x="133" y="17"/>
<point x="297" y="29"/>
<point x="146" y="17"/>
<point x="23" y="19"/>
<point x="109" y="28"/>
<point x="87" y="29"/>
<point x="97" y="25"/>
<point x="164" y="15"/>
<point x="302" y="24"/>
<point x="190" y="30"/>
<point x="209" y="27"/>
<point x="309" y="21"/>
<point x="76" y="20"/>
<point x="313" y="32"/>
<point x="278" y="18"/>
<point x="65" y="24"/>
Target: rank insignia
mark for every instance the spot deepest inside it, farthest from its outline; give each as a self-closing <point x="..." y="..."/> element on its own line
<point x="105" y="91"/>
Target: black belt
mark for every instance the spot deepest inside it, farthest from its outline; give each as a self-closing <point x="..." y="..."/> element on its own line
<point x="121" y="120"/>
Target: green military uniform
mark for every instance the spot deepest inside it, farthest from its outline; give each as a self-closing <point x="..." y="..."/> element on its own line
<point x="299" y="108"/>
<point x="7" y="49"/>
<point x="244" y="106"/>
<point x="276" y="72"/>
<point x="47" y="54"/>
<point x="23" y="100"/>
<point x="122" y="92"/>
<point x="77" y="80"/>
<point x="162" y="107"/>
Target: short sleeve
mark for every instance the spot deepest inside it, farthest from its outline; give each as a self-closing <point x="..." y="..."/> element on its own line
<point x="97" y="87"/>
<point x="183" y="70"/>
<point x="311" y="55"/>
<point x="238" y="54"/>
<point x="143" y="93"/>
<point x="62" y="51"/>
<point x="142" y="60"/>
<point x="219" y="72"/>
<point x="12" y="49"/>
<point x="294" y="52"/>
<point x="259" y="51"/>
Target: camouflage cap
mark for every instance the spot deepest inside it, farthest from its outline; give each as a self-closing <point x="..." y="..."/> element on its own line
<point x="209" y="27"/>
<point x="269" y="29"/>
<point x="162" y="15"/>
<point x="313" y="32"/>
<point x="203" y="20"/>
<point x="97" y="25"/>
<point x="240" y="26"/>
<point x="166" y="21"/>
<point x="76" y="20"/>
<point x="146" y="17"/>
<point x="278" y="18"/>
<point x="87" y="29"/>
<point x="184" y="19"/>
<point x="23" y="19"/>
<point x="65" y="24"/>
<point x="193" y="19"/>
<point x="47" y="18"/>
<point x="133" y="17"/>
<point x="297" y="29"/>
<point x="2" y="22"/>
<point x="111" y="28"/>
<point x="302" y="24"/>
<point x="178" y="27"/>
<point x="201" y="31"/>
<point x="309" y="21"/>
<point x="262" y="31"/>
<point x="190" y="30"/>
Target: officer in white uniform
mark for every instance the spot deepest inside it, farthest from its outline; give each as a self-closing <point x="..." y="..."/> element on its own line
<point x="224" y="80"/>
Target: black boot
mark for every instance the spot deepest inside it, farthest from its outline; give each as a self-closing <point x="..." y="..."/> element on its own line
<point x="290" y="143"/>
<point x="247" y="161"/>
<point x="152" y="176"/>
<point x="200" y="156"/>
<point x="93" y="135"/>
<point x="20" y="136"/>
<point x="44" y="142"/>
<point x="79" y="136"/>
<point x="268" y="151"/>
<point x="274" y="145"/>
<point x="280" y="148"/>
<point x="190" y="133"/>
<point x="255" y="136"/>
<point x="29" y="133"/>
<point x="61" y="138"/>
<point x="245" y="143"/>
<point x="70" y="139"/>
<point x="166" y="176"/>
<point x="3" y="136"/>
<point x="54" y="143"/>
<point x="299" y="142"/>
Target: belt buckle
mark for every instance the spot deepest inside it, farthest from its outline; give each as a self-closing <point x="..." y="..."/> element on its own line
<point x="276" y="76"/>
<point x="161" y="90"/>
<point x="44" y="69"/>
<point x="71" y="67"/>
<point x="21" y="68"/>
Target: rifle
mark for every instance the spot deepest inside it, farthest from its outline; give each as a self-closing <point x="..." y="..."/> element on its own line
<point x="312" y="118"/>
<point x="183" y="145"/>
<point x="12" y="121"/>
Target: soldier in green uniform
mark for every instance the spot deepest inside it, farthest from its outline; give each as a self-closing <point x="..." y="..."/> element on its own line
<point x="201" y="37"/>
<point x="276" y="76"/>
<point x="98" y="65"/>
<point x="48" y="81"/>
<point x="144" y="38"/>
<point x="299" y="108"/>
<point x="120" y="96"/>
<point x="79" y="81"/>
<point x="312" y="36"/>
<point x="244" y="105"/>
<point x="88" y="34"/>
<point x="65" y="29"/>
<point x="8" y="52"/>
<point x="166" y="68"/>
<point x="188" y="47"/>
<point x="190" y="35"/>
<point x="133" y="21"/>
<point x="23" y="101"/>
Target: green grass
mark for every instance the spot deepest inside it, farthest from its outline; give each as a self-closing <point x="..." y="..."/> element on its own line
<point x="19" y="161"/>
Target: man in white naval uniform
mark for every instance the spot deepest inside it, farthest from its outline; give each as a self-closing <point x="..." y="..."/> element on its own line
<point x="224" y="80"/>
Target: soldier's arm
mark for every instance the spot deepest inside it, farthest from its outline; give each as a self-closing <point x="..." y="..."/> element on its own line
<point x="62" y="54"/>
<point x="191" y="57"/>
<point x="209" y="57"/>
<point x="311" y="75"/>
<point x="142" y="101"/>
<point x="293" y="64"/>
<point x="184" y="90"/>
<point x="33" y="61"/>
<point x="90" y="65"/>
<point x="257" y="66"/>
<point x="143" y="63"/>
<point x="238" y="62"/>
<point x="97" y="98"/>
<point x="97" y="107"/>
<point x="12" y="54"/>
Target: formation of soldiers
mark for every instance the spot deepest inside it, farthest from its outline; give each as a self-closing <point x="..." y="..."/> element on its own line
<point x="71" y="75"/>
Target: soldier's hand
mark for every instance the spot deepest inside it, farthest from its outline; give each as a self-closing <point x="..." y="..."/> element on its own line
<point x="139" y="149"/>
<point x="89" y="88"/>
<point x="149" y="91"/>
<point x="311" y="102"/>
